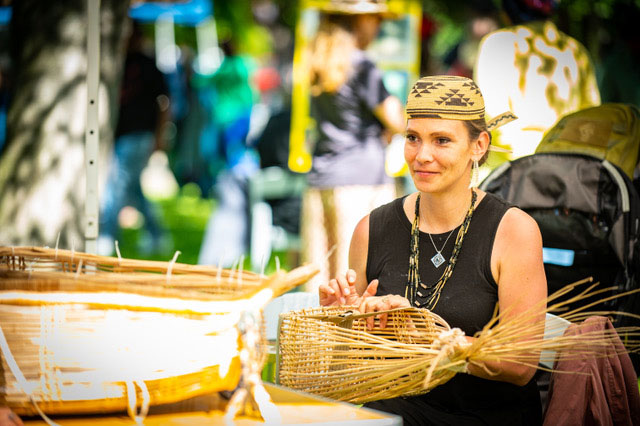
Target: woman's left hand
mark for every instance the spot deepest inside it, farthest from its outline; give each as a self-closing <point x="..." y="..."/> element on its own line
<point x="382" y="303"/>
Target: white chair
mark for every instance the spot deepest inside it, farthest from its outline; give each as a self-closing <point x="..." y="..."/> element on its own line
<point x="285" y="303"/>
<point x="553" y="326"/>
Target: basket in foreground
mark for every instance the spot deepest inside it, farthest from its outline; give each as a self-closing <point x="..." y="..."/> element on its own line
<point x="329" y="351"/>
<point x="88" y="334"/>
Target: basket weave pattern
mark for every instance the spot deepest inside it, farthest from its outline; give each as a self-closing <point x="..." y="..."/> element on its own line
<point x="363" y="365"/>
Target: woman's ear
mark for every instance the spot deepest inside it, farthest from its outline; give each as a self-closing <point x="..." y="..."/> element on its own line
<point x="481" y="145"/>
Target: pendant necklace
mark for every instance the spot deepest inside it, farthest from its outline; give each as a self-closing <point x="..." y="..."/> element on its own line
<point x="415" y="287"/>
<point x="438" y="259"/>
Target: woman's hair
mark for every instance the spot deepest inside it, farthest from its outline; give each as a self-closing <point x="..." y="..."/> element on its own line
<point x="331" y="54"/>
<point x="475" y="127"/>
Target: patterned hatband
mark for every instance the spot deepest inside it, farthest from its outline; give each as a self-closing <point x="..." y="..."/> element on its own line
<point x="451" y="97"/>
<point x="445" y="96"/>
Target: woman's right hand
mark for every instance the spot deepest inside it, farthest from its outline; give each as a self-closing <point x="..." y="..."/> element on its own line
<point x="342" y="291"/>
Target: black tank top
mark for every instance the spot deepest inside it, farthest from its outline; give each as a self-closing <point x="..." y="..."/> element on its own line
<point x="467" y="301"/>
<point x="469" y="297"/>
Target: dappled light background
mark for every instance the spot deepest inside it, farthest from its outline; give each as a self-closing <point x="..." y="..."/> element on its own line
<point x="43" y="66"/>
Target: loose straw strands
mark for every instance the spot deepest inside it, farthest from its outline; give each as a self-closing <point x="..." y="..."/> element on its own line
<point x="329" y="352"/>
<point x="63" y="270"/>
<point x="201" y="277"/>
<point x="519" y="338"/>
<point x="68" y="260"/>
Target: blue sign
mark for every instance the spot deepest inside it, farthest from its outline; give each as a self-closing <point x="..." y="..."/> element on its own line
<point x="189" y="13"/>
<point x="555" y="256"/>
<point x="5" y="15"/>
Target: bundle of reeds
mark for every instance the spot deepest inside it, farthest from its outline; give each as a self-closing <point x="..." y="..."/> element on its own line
<point x="81" y="333"/>
<point x="330" y="352"/>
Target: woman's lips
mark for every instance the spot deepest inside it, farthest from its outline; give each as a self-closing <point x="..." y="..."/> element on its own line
<point x="425" y="173"/>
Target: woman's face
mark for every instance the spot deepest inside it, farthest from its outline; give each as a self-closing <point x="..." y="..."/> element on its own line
<point x="366" y="29"/>
<point x="439" y="154"/>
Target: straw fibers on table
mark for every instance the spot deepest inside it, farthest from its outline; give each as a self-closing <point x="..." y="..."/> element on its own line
<point x="96" y="334"/>
<point x="328" y="351"/>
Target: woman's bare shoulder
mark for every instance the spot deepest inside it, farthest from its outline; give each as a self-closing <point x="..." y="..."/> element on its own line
<point x="361" y="231"/>
<point x="517" y="231"/>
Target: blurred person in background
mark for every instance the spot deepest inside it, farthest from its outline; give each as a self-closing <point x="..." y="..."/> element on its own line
<point x="143" y="114"/>
<point x="534" y="70"/>
<point x="351" y="108"/>
<point x="273" y="148"/>
<point x="226" y="238"/>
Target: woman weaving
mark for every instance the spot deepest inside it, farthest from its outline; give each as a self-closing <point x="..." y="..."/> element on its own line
<point x="453" y="249"/>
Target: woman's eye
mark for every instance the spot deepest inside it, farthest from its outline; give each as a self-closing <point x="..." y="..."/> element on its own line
<point x="411" y="138"/>
<point x="443" y="141"/>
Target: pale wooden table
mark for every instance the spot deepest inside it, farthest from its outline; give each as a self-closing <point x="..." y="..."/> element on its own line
<point x="294" y="407"/>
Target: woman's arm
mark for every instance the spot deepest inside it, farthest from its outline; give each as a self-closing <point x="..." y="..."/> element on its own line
<point x="358" y="253"/>
<point x="516" y="264"/>
<point x="351" y="288"/>
<point x="391" y="114"/>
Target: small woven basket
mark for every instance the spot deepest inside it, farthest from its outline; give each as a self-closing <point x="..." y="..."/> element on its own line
<point x="88" y="334"/>
<point x="329" y="351"/>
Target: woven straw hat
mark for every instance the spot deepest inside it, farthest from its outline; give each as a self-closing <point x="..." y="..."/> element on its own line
<point x="450" y="97"/>
<point x="357" y="7"/>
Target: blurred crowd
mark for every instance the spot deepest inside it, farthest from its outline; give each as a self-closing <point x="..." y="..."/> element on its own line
<point x="219" y="129"/>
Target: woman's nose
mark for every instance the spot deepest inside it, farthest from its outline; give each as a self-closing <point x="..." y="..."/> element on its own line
<point x="425" y="153"/>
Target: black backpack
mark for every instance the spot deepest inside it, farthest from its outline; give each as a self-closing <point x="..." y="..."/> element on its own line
<point x="610" y="131"/>
<point x="588" y="212"/>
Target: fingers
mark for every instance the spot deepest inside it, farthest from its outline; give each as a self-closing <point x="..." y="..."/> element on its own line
<point x="351" y="277"/>
<point x="396" y="301"/>
<point x="375" y="304"/>
<point x="332" y="293"/>
<point x="347" y="282"/>
<point x="372" y="289"/>
<point x="325" y="293"/>
<point x="338" y="290"/>
<point x="383" y="303"/>
<point x="383" y="320"/>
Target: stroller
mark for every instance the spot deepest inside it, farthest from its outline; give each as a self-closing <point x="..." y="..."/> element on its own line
<point x="578" y="188"/>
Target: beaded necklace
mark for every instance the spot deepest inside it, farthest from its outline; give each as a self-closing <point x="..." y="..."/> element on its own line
<point x="415" y="286"/>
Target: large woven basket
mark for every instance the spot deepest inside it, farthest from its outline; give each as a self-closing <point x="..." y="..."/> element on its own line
<point x="329" y="351"/>
<point x="94" y="334"/>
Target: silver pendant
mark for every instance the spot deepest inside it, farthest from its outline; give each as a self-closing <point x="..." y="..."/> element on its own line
<point x="437" y="260"/>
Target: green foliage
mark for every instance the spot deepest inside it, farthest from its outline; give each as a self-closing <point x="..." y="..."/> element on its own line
<point x="289" y="11"/>
<point x="593" y="22"/>
<point x="236" y="24"/>
<point x="185" y="218"/>
<point x="451" y="19"/>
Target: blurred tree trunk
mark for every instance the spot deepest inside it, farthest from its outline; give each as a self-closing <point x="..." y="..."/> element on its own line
<point x="42" y="173"/>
